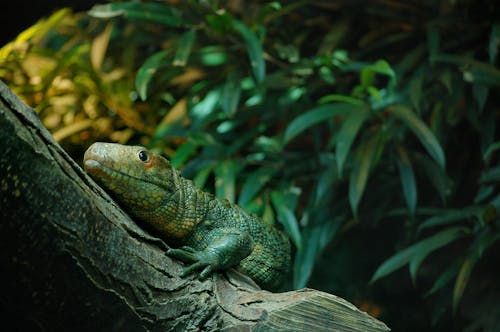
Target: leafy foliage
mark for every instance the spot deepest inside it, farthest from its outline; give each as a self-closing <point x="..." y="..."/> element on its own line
<point x="327" y="118"/>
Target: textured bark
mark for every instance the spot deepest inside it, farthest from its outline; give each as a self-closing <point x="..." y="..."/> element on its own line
<point x="71" y="259"/>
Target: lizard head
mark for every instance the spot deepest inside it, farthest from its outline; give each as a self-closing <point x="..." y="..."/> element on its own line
<point x="139" y="179"/>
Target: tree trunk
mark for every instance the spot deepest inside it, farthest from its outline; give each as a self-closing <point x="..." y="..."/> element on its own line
<point x="71" y="259"/>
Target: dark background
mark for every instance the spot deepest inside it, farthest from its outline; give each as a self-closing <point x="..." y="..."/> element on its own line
<point x="16" y="16"/>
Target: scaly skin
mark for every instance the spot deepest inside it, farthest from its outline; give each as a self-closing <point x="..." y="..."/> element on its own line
<point x="214" y="234"/>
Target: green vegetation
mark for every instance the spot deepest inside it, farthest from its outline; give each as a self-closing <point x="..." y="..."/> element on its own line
<point x="368" y="131"/>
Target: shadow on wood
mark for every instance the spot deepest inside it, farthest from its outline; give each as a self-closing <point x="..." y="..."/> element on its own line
<point x="71" y="259"/>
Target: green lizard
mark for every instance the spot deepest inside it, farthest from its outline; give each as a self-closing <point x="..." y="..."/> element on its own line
<point x="214" y="234"/>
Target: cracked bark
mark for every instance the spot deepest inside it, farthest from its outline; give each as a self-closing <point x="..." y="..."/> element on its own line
<point x="70" y="258"/>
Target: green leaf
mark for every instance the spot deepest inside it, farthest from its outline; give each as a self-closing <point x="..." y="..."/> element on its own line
<point x="230" y="96"/>
<point x="306" y="257"/>
<point x="254" y="183"/>
<point x="494" y="43"/>
<point x="315" y="237"/>
<point x="314" y="116"/>
<point x="212" y="55"/>
<point x="254" y="48"/>
<point x="480" y="93"/>
<point x="365" y="155"/>
<point x="148" y="70"/>
<point x="474" y="71"/>
<point x="483" y="193"/>
<point x="407" y="180"/>
<point x="436" y="175"/>
<point x="184" y="47"/>
<point x="182" y="153"/>
<point x="347" y="133"/>
<point x="225" y="179"/>
<point x="379" y="67"/>
<point x="418" y="251"/>
<point x="415" y="87"/>
<point x="485" y="240"/>
<point x="449" y="217"/>
<point x="443" y="279"/>
<point x="431" y="244"/>
<point x="340" y="98"/>
<point x="220" y="22"/>
<point x="424" y="134"/>
<point x="201" y="177"/>
<point x="433" y="42"/>
<point x="147" y="11"/>
<point x="490" y="175"/>
<point x="489" y="151"/>
<point x="201" y="111"/>
<point x="284" y="208"/>
<point x="326" y="179"/>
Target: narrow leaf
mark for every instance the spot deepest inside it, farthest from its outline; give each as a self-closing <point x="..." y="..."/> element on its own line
<point x="494" y="43"/>
<point x="407" y="180"/>
<point x="443" y="279"/>
<point x="201" y="177"/>
<point x="433" y="41"/>
<point x="147" y="11"/>
<point x="422" y="131"/>
<point x="463" y="278"/>
<point x="148" y="70"/>
<point x="287" y="217"/>
<point x="490" y="150"/>
<point x="254" y="48"/>
<point x="417" y="251"/>
<point x="364" y="158"/>
<point x="254" y="184"/>
<point x="340" y="98"/>
<point x="448" y="217"/>
<point x="314" y="116"/>
<point x="230" y="96"/>
<point x="430" y="244"/>
<point x="480" y="93"/>
<point x="225" y="179"/>
<point x="415" y="87"/>
<point x="184" y="46"/>
<point x="491" y="175"/>
<point x="348" y="133"/>
<point x="306" y="257"/>
<point x="100" y="46"/>
<point x="474" y="71"/>
<point x="185" y="151"/>
<point x="436" y="175"/>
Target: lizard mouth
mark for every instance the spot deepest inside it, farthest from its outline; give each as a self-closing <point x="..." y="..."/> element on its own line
<point x="96" y="168"/>
<point x="99" y="171"/>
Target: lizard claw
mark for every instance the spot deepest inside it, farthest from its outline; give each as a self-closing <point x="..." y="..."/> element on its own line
<point x="185" y="254"/>
<point x="204" y="274"/>
<point x="204" y="261"/>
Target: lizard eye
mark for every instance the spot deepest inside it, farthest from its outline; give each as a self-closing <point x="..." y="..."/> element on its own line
<point x="143" y="156"/>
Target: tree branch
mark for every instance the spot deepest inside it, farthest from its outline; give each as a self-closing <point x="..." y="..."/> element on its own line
<point x="72" y="259"/>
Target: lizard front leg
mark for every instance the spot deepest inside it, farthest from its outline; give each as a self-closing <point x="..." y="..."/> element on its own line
<point x="216" y="250"/>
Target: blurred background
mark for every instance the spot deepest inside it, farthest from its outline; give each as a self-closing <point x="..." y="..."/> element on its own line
<point x="366" y="130"/>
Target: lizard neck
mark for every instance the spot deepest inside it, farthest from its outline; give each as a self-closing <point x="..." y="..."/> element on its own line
<point x="181" y="211"/>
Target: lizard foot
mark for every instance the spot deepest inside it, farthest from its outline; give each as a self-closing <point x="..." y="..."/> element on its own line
<point x="206" y="261"/>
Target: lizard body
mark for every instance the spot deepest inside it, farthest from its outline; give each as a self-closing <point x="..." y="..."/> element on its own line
<point x="213" y="234"/>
